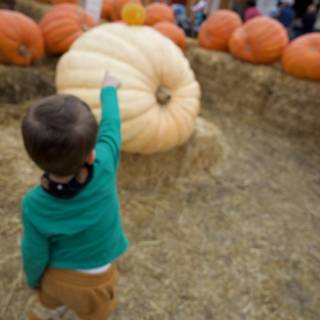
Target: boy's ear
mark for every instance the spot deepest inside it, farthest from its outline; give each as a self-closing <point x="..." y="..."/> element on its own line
<point x="91" y="157"/>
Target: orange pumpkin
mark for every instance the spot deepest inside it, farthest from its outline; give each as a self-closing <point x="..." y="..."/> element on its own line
<point x="157" y="12"/>
<point x="62" y="25"/>
<point x="133" y="13"/>
<point x="106" y="10"/>
<point x="260" y="40"/>
<point x="217" y="30"/>
<point x="302" y="57"/>
<point x="173" y="32"/>
<point x="117" y="8"/>
<point x="21" y="40"/>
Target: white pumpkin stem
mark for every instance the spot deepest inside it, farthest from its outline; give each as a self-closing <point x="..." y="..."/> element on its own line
<point x="163" y="95"/>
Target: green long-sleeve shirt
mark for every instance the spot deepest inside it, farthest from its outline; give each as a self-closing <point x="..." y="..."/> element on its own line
<point x="85" y="231"/>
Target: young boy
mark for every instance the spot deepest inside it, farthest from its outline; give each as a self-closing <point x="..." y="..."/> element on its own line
<point x="72" y="226"/>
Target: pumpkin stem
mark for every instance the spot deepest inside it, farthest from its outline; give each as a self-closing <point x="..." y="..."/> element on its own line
<point x="163" y="95"/>
<point x="24" y="51"/>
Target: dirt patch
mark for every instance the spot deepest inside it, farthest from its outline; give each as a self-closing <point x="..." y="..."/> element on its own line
<point x="238" y="243"/>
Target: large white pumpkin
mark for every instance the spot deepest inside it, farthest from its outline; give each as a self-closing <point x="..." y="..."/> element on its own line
<point x="159" y="97"/>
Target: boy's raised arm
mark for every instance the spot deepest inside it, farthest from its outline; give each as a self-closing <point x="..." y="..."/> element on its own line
<point x="109" y="137"/>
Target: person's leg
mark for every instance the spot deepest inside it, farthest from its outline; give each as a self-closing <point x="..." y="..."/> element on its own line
<point x="45" y="304"/>
<point x="88" y="296"/>
<point x="98" y="302"/>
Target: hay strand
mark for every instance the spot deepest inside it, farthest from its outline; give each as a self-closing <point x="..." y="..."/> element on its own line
<point x="10" y="295"/>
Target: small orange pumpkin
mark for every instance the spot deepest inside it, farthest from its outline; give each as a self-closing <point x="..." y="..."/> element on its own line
<point x="106" y="10"/>
<point x="117" y="8"/>
<point x="133" y="13"/>
<point x="62" y="25"/>
<point x="302" y="57"/>
<point x="157" y="12"/>
<point x="217" y="30"/>
<point x="21" y="40"/>
<point x="260" y="40"/>
<point x="173" y="32"/>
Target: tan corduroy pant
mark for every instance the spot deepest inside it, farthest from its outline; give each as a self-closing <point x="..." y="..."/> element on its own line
<point x="90" y="297"/>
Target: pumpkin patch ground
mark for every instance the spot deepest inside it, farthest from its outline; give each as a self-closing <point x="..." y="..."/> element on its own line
<point x="237" y="241"/>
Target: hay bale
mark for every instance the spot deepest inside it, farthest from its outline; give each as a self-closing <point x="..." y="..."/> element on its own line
<point x="18" y="84"/>
<point x="294" y="104"/>
<point x="32" y="8"/>
<point x="7" y="4"/>
<point x="204" y="150"/>
<point x="230" y="85"/>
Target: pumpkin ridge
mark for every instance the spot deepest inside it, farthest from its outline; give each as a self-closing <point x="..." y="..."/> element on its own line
<point x="132" y="143"/>
<point x="56" y="38"/>
<point x="136" y="46"/>
<point x="180" y="124"/>
<point x="4" y="31"/>
<point x="185" y="120"/>
<point x="53" y="26"/>
<point x="183" y="106"/>
<point x="57" y="14"/>
<point x="16" y="26"/>
<point x="36" y="49"/>
<point x="119" y="61"/>
<point x="154" y="143"/>
<point x="165" y="124"/>
<point x="133" y="122"/>
<point x="142" y="77"/>
<point x="64" y="42"/>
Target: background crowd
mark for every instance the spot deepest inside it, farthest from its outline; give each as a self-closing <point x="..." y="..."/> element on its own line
<point x="296" y="19"/>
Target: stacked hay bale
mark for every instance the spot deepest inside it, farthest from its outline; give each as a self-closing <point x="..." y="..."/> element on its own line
<point x="18" y="84"/>
<point x="32" y="8"/>
<point x="233" y="86"/>
<point x="205" y="150"/>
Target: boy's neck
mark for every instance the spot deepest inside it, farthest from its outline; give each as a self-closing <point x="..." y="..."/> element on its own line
<point x="60" y="179"/>
<point x="81" y="177"/>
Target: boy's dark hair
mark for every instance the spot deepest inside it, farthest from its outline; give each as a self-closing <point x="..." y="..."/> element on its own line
<point x="58" y="133"/>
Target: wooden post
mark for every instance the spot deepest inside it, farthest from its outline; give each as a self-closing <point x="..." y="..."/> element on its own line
<point x="189" y="13"/>
<point x="209" y="8"/>
<point x="190" y="4"/>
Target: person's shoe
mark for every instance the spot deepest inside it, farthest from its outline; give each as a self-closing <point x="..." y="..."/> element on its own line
<point x="39" y="312"/>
